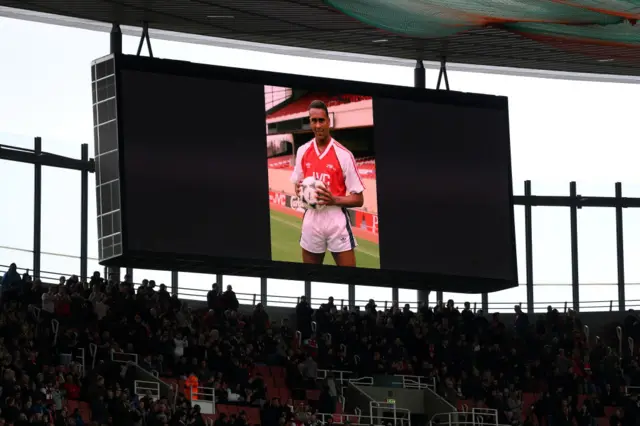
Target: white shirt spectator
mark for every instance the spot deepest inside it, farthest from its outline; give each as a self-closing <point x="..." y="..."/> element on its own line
<point x="232" y="397"/>
<point x="180" y="345"/>
<point x="48" y="303"/>
<point x="100" y="308"/>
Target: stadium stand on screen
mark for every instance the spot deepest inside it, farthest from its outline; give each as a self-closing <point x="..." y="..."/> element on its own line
<point x="328" y="137"/>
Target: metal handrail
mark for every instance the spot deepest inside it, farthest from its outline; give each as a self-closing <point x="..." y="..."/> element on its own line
<point x="50" y="277"/>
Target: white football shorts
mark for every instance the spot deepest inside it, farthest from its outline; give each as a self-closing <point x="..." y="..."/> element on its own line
<point x="327" y="229"/>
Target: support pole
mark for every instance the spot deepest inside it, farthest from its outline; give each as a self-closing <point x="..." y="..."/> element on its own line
<point x="113" y="273"/>
<point x="423" y="296"/>
<point x="395" y="295"/>
<point x="352" y="296"/>
<point x="528" y="238"/>
<point x="419" y="75"/>
<point x="37" y="209"/>
<point x="129" y="275"/>
<point x="485" y="303"/>
<point x="115" y="39"/>
<point x="307" y="290"/>
<point x="115" y="47"/>
<point x="145" y="37"/>
<point x="174" y="282"/>
<point x="263" y="291"/>
<point x="620" y="247"/>
<point x="443" y="73"/>
<point x="84" y="216"/>
<point x="575" y="276"/>
<point x="420" y="82"/>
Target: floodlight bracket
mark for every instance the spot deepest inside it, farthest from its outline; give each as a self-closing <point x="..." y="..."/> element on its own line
<point x="144" y="37"/>
<point x="443" y="73"/>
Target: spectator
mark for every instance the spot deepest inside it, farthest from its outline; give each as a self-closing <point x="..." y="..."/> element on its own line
<point x="303" y="316"/>
<point x="230" y="301"/>
<point x="472" y="360"/>
<point x="260" y="319"/>
<point x="49" y="300"/>
<point x="213" y="301"/>
<point x="11" y="283"/>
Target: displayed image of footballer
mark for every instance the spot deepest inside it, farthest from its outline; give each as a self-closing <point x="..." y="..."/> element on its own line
<point x="325" y="159"/>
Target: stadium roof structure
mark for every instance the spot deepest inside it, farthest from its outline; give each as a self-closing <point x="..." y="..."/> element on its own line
<point x="597" y="39"/>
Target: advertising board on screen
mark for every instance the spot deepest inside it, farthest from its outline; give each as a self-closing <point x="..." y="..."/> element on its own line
<point x="254" y="173"/>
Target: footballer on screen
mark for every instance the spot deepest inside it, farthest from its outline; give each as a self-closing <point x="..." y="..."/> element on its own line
<point x="327" y="181"/>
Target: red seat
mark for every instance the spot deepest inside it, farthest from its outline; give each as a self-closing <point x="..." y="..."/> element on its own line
<point x="253" y="413"/>
<point x="313" y="395"/>
<point x="278" y="372"/>
<point x="465" y="405"/>
<point x="581" y="399"/>
<point x="528" y="399"/>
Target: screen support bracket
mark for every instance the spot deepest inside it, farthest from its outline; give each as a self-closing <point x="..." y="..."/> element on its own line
<point x="443" y="73"/>
<point x="144" y="37"/>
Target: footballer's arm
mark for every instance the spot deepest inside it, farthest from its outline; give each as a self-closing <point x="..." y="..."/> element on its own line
<point x="298" y="173"/>
<point x="352" y="200"/>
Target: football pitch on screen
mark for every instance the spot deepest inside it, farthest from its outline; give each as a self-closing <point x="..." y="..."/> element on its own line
<point x="285" y="243"/>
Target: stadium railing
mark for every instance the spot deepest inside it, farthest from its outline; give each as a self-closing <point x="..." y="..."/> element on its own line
<point x="473" y="417"/>
<point x="251" y="299"/>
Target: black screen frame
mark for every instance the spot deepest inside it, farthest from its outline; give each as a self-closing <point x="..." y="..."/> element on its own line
<point x="298" y="271"/>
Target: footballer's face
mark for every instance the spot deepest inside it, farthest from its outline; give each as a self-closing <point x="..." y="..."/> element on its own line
<point x="319" y="124"/>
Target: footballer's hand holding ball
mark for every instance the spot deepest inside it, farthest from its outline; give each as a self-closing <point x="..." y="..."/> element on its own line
<point x="309" y="193"/>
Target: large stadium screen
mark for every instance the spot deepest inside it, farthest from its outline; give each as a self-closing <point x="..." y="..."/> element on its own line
<point x="305" y="177"/>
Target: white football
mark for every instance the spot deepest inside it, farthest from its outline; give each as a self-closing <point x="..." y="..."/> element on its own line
<point x="309" y="194"/>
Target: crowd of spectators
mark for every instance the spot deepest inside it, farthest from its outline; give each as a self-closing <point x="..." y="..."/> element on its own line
<point x="473" y="359"/>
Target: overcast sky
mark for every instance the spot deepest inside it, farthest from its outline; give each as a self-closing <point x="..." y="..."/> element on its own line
<point x="560" y="131"/>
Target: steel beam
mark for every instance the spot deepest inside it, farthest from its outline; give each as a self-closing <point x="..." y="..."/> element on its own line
<point x="29" y="156"/>
<point x="578" y="201"/>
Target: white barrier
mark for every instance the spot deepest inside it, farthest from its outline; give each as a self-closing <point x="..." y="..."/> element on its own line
<point x="378" y="409"/>
<point x="205" y="397"/>
<point x="475" y="417"/>
<point x="55" y="327"/>
<point x="124" y="357"/>
<point x="340" y="376"/>
<point x="353" y="419"/>
<point x="147" y="389"/>
<point x="68" y="358"/>
<point x="362" y="381"/>
<point x="416" y="382"/>
<point x="93" y="352"/>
